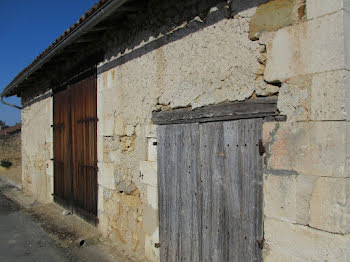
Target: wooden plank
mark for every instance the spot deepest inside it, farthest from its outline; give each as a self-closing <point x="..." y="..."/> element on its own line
<point x="206" y="193"/>
<point x="173" y="199"/>
<point x="233" y="189"/>
<point x="254" y="108"/>
<point x="251" y="188"/>
<point x="189" y="207"/>
<point x="162" y="163"/>
<point x="213" y="155"/>
<point x="84" y="116"/>
<point x="244" y="174"/>
<point x="210" y="191"/>
<point x="194" y="194"/>
<point x="179" y="208"/>
<point x="62" y="176"/>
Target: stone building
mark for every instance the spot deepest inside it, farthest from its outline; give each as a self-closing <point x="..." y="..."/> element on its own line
<point x="101" y="108"/>
<point x="10" y="154"/>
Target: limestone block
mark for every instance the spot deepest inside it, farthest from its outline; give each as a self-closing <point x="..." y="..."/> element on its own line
<point x="305" y="185"/>
<point x="151" y="131"/>
<point x="119" y="129"/>
<point x="138" y="130"/>
<point x="152" y="149"/>
<point x="108" y="125"/>
<point x="129" y="130"/>
<point x="100" y="82"/>
<point x="294" y="51"/>
<point x="271" y="16"/>
<point x="310" y="148"/>
<point x="347" y="35"/>
<point x="287" y="197"/>
<point x="280" y="197"/>
<point x="152" y="196"/>
<point x="330" y="93"/>
<point x="295" y="243"/>
<point x="151" y="252"/>
<point x="100" y="147"/>
<point x="269" y="131"/>
<point x="148" y="171"/>
<point x="50" y="186"/>
<point x="49" y="168"/>
<point x="99" y="104"/>
<point x="265" y="89"/>
<point x="316" y="8"/>
<point x="294" y="98"/>
<point x="106" y="175"/>
<point x="103" y="225"/>
<point x="100" y="198"/>
<point x="111" y="99"/>
<point x="330" y="205"/>
<point x="125" y="187"/>
<point x="110" y="78"/>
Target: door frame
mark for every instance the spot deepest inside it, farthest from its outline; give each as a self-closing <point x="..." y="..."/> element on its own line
<point x="264" y="108"/>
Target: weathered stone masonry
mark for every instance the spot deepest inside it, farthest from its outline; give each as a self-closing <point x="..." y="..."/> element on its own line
<point x="10" y="150"/>
<point x="192" y="55"/>
<point x="306" y="178"/>
<point x="204" y="60"/>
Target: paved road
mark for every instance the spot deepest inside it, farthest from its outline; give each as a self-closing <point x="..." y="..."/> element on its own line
<point x="21" y="239"/>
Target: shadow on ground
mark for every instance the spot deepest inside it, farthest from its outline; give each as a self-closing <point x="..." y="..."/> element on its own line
<point x="31" y="231"/>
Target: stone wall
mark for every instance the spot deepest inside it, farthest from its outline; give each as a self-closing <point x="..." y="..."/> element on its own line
<point x="189" y="54"/>
<point x="296" y="49"/>
<point x="206" y="58"/>
<point x="10" y="150"/>
<point x="37" y="149"/>
<point x="306" y="177"/>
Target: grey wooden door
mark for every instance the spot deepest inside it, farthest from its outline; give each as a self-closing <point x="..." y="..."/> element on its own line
<point x="210" y="191"/>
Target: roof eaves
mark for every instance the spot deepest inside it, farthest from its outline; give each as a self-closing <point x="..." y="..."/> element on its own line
<point x="92" y="17"/>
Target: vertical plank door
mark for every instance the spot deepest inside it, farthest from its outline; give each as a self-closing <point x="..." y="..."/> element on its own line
<point x="61" y="148"/>
<point x="210" y="191"/>
<point x="178" y="180"/>
<point x="84" y="146"/>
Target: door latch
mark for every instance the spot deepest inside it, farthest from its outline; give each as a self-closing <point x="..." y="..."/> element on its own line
<point x="261" y="243"/>
<point x="261" y="147"/>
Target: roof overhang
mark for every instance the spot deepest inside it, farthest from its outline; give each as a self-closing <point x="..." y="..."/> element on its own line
<point x="90" y="23"/>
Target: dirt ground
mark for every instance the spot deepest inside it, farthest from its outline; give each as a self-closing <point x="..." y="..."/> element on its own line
<point x="79" y="240"/>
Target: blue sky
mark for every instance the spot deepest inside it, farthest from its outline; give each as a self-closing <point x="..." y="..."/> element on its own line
<point x="28" y="28"/>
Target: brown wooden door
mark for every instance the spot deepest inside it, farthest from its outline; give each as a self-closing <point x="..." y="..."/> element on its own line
<point x="75" y="145"/>
<point x="62" y="149"/>
<point x="210" y="191"/>
<point x="84" y="145"/>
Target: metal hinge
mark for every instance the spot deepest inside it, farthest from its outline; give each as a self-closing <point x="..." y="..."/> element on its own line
<point x="261" y="147"/>
<point x="261" y="243"/>
<point x="157" y="245"/>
